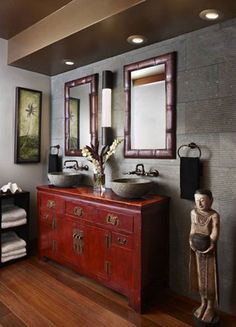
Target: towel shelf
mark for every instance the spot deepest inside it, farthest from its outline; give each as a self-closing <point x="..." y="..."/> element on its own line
<point x="19" y="199"/>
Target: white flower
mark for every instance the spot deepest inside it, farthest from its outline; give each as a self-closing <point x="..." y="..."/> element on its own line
<point x="112" y="149"/>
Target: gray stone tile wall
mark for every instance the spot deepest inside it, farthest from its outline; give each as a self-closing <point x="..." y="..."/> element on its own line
<point x="206" y="115"/>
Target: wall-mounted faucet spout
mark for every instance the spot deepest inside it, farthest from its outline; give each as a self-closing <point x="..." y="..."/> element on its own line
<point x="140" y="171"/>
<point x="74" y="165"/>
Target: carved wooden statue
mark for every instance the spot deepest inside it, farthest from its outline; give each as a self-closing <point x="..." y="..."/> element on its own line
<point x="203" y="269"/>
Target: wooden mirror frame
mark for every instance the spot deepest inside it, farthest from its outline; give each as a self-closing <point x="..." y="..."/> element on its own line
<point x="169" y="60"/>
<point x="93" y="81"/>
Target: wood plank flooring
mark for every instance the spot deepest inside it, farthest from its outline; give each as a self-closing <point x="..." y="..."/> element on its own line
<point x="43" y="294"/>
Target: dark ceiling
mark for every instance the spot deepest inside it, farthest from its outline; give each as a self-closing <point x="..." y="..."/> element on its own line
<point x="156" y="19"/>
<point x="17" y="15"/>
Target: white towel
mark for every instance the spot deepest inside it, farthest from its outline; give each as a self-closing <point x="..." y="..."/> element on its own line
<point x="14" y="252"/>
<point x="12" y="187"/>
<point x="11" y="242"/>
<point x="14" y="223"/>
<point x="11" y="212"/>
<point x="11" y="257"/>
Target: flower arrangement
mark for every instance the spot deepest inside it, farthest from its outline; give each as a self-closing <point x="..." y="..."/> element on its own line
<point x="99" y="159"/>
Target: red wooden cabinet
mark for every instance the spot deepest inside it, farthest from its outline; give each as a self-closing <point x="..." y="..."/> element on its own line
<point x="95" y="253"/>
<point x="122" y="244"/>
<point x="121" y="258"/>
<point x="72" y="243"/>
<point x="50" y="226"/>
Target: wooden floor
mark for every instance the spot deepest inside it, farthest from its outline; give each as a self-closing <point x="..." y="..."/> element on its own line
<point x="40" y="294"/>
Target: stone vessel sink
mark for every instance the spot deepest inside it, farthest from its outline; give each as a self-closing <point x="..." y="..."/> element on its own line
<point x="64" y="179"/>
<point x="131" y="188"/>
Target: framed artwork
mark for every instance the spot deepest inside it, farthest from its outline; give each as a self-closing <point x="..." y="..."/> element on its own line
<point x="74" y="117"/>
<point x="28" y="125"/>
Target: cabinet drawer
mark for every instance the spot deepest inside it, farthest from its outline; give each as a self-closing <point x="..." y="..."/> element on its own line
<point x="122" y="241"/>
<point x="51" y="202"/>
<point x="115" y="220"/>
<point x="78" y="209"/>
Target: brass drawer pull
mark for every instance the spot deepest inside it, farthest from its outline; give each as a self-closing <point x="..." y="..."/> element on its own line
<point x="54" y="222"/>
<point x="107" y="266"/>
<point x="122" y="241"/>
<point x="78" y="242"/>
<point x="78" y="211"/>
<point x="107" y="241"/>
<point x="51" y="204"/>
<point x="78" y="236"/>
<point x="112" y="219"/>
<point x="54" y="245"/>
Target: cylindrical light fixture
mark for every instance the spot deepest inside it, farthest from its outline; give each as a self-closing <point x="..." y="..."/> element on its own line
<point x="107" y="84"/>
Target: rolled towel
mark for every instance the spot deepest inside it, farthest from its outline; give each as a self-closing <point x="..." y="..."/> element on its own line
<point x="18" y="222"/>
<point x="12" y="257"/>
<point x="12" y="213"/>
<point x="10" y="242"/>
<point x="14" y="252"/>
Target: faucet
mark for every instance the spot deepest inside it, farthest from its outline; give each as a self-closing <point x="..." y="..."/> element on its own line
<point x="75" y="165"/>
<point x="140" y="171"/>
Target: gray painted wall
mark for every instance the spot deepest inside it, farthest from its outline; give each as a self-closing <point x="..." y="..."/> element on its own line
<point x="206" y="115"/>
<point x="25" y="175"/>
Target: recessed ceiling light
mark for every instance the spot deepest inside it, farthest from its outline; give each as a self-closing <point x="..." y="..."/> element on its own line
<point x="210" y="14"/>
<point x="69" y="62"/>
<point x="136" y="39"/>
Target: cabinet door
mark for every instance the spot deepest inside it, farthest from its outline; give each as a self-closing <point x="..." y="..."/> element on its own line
<point x="44" y="239"/>
<point x="72" y="242"/>
<point x="121" y="262"/>
<point x="45" y="234"/>
<point x="56" y="241"/>
<point x="50" y="226"/>
<point x="97" y="243"/>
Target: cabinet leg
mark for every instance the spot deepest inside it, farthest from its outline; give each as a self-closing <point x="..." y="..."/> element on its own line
<point x="135" y="303"/>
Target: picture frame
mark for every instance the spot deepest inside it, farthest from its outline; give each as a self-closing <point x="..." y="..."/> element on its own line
<point x="27" y="125"/>
<point x="74" y="117"/>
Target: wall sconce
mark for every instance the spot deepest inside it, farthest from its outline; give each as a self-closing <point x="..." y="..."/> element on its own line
<point x="107" y="84"/>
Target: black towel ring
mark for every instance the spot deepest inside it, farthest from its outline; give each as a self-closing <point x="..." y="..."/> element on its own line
<point x="55" y="147"/>
<point x="191" y="146"/>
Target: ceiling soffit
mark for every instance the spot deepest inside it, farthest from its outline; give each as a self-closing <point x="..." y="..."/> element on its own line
<point x="106" y="33"/>
<point x="17" y="15"/>
<point x="76" y="16"/>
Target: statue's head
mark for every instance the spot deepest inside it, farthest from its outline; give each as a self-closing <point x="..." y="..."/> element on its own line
<point x="203" y="199"/>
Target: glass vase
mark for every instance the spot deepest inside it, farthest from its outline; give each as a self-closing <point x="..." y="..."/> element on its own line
<point x="99" y="180"/>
